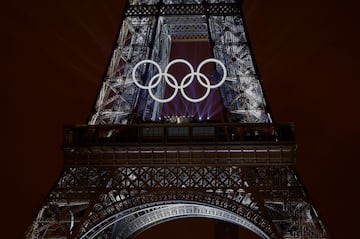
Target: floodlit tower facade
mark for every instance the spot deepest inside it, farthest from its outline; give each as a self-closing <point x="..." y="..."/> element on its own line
<point x="180" y="128"/>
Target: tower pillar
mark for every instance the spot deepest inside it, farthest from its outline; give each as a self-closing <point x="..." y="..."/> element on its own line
<point x="181" y="128"/>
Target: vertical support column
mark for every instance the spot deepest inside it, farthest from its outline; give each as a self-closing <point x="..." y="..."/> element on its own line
<point x="118" y="96"/>
<point x="150" y="109"/>
<point x="242" y="92"/>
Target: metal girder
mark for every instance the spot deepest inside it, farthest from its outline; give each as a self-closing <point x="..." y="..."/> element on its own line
<point x="106" y="184"/>
<point x="147" y="33"/>
<point x="242" y="95"/>
<point x="118" y="95"/>
<point x="268" y="200"/>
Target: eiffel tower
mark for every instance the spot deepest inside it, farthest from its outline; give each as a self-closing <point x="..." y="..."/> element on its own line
<point x="180" y="128"/>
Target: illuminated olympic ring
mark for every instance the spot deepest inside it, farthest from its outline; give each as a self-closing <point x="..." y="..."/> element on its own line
<point x="185" y="82"/>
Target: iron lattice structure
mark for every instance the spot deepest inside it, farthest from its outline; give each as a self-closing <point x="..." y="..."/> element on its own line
<point x="123" y="174"/>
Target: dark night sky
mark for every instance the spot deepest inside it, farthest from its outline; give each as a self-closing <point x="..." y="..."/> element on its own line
<point x="56" y="52"/>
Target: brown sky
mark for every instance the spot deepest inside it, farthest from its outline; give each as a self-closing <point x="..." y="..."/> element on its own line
<point x="55" y="53"/>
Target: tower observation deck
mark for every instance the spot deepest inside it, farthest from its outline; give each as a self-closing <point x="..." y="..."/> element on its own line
<point x="180" y="128"/>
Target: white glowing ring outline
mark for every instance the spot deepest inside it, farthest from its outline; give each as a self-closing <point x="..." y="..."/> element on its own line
<point x="134" y="75"/>
<point x="184" y="82"/>
<point x="179" y="61"/>
<point x="199" y="75"/>
<point x="176" y="88"/>
<point x="205" y="62"/>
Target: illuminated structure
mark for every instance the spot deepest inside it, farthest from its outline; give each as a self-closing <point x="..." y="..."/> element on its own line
<point x="166" y="141"/>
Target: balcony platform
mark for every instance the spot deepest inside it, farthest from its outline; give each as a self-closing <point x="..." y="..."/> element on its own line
<point x="185" y="144"/>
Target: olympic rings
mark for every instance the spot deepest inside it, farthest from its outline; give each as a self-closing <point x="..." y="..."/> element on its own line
<point x="185" y="82"/>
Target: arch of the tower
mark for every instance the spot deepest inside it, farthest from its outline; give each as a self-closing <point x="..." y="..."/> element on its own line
<point x="159" y="207"/>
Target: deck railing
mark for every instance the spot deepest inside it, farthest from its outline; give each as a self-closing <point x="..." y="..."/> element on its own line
<point x="190" y="133"/>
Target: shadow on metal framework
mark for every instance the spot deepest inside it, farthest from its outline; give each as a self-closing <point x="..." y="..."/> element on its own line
<point x="131" y="168"/>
